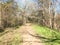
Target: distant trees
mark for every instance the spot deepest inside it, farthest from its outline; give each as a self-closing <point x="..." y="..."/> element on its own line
<point x="27" y="10"/>
<point x="46" y="13"/>
<point x="9" y="16"/>
<point x="41" y="12"/>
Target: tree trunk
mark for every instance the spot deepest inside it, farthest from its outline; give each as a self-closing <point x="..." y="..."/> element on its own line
<point x="24" y="19"/>
<point x="1" y="26"/>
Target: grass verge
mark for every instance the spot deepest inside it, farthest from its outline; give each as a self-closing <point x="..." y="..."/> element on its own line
<point x="12" y="37"/>
<point x="51" y="37"/>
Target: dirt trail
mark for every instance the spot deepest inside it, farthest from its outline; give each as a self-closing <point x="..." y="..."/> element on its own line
<point x="28" y="39"/>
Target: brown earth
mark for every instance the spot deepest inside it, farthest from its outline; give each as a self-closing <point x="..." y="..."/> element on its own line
<point x="28" y="39"/>
<point x="26" y="32"/>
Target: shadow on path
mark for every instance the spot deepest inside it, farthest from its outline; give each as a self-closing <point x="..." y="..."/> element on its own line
<point x="28" y="36"/>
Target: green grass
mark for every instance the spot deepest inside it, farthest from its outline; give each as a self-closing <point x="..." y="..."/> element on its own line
<point x="53" y="36"/>
<point x="12" y="37"/>
<point x="16" y="40"/>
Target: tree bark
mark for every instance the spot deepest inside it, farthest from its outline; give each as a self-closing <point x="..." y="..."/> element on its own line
<point x="1" y="26"/>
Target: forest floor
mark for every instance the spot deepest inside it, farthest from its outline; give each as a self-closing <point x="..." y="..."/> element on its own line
<point x="10" y="37"/>
<point x="23" y="35"/>
<point x="27" y="33"/>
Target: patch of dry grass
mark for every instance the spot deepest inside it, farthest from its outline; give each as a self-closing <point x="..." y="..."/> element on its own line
<point x="10" y="37"/>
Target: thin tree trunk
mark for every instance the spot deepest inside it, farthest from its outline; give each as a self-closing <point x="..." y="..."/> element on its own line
<point x="1" y="26"/>
<point x="50" y="20"/>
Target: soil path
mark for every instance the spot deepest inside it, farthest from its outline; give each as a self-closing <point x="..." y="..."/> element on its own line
<point x="28" y="39"/>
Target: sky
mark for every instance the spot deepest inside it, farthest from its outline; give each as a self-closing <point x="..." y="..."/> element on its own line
<point x="58" y="7"/>
<point x="22" y="3"/>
